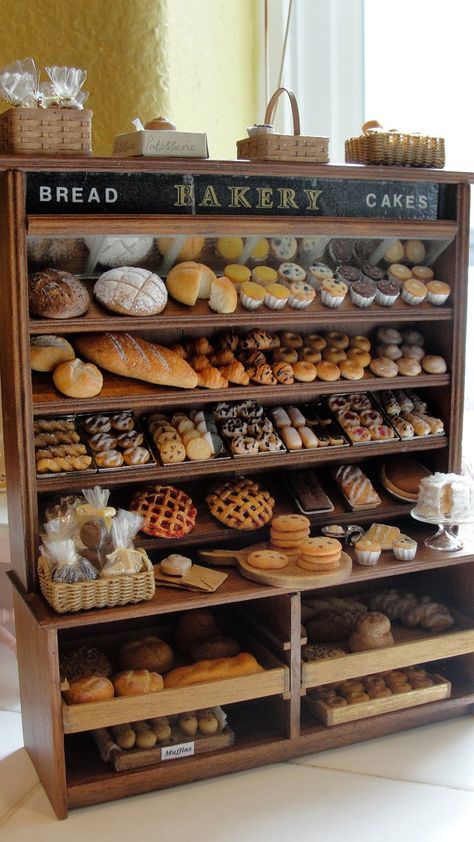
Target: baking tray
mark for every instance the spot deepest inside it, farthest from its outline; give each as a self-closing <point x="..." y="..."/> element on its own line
<point x="375" y="407"/>
<point x="219" y="445"/>
<point x="92" y="469"/>
<point x="263" y="453"/>
<point x="137" y="427"/>
<point x="428" y="412"/>
<point x="311" y="477"/>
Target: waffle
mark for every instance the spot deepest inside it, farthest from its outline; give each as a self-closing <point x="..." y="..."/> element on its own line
<point x="240" y="504"/>
<point x="167" y="511"/>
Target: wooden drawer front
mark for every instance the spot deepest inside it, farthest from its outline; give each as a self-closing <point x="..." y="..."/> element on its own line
<point x="421" y="648"/>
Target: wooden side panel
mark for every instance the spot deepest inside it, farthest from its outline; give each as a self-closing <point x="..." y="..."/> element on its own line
<point x="41" y="703"/>
<point x="16" y="381"/>
<point x="458" y="360"/>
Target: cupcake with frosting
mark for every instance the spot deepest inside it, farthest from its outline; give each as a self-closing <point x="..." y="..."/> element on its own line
<point x="317" y="273"/>
<point x="387" y="292"/>
<point x="237" y="273"/>
<point x="333" y="292"/>
<point x="399" y="272"/>
<point x="438" y="292"/>
<point x="362" y="293"/>
<point x="264" y="275"/>
<point x="414" y="292"/>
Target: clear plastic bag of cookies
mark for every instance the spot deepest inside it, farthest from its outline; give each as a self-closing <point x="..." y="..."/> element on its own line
<point x="68" y="566"/>
<point x="124" y="560"/>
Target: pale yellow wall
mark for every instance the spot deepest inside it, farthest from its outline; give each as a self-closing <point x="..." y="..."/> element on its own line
<point x="193" y="59"/>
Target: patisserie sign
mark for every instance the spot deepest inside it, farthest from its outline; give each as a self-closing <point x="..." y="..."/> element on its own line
<point x="204" y="194"/>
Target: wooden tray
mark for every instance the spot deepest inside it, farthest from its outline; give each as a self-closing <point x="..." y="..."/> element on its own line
<point x="335" y="716"/>
<point x="290" y="576"/>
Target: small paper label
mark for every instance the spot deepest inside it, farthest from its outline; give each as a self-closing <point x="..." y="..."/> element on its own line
<point x="175" y="752"/>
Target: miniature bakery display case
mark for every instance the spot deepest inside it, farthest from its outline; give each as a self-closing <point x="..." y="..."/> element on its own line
<point x="231" y="380"/>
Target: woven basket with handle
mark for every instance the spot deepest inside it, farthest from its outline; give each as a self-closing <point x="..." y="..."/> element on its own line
<point x="282" y="147"/>
<point x="391" y="148"/>
<point x="45" y="131"/>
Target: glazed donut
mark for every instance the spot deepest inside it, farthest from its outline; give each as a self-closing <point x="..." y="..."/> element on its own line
<point x="337" y="340"/>
<point x="383" y="367"/>
<point x="304" y="371"/>
<point x="333" y="355"/>
<point x="408" y="366"/>
<point x="291" y="340"/>
<point x="351" y="370"/>
<point x="359" y="356"/>
<point x="285" y="355"/>
<point x="309" y="355"/>
<point x="416" y="352"/>
<point x="391" y="351"/>
<point x="314" y="340"/>
<point x="434" y="364"/>
<point x="362" y="342"/>
<point x="389" y="336"/>
<point x="328" y="371"/>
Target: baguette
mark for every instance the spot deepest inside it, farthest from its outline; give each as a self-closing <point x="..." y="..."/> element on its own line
<point x="215" y="669"/>
<point x="131" y="356"/>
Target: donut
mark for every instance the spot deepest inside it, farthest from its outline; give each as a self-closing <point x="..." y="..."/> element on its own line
<point x="359" y="341"/>
<point x="314" y="340"/>
<point x="328" y="371"/>
<point x="304" y="371"/>
<point x="333" y="355"/>
<point x="309" y="355"/>
<point x="391" y="351"/>
<point x="389" y="335"/>
<point x="408" y="366"/>
<point x="383" y="367"/>
<point x="337" y="340"/>
<point x="351" y="370"/>
<point x="291" y="340"/>
<point x="285" y="355"/>
<point x="359" y="356"/>
<point x="434" y="364"/>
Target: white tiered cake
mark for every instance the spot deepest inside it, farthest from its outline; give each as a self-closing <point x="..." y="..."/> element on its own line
<point x="446" y="497"/>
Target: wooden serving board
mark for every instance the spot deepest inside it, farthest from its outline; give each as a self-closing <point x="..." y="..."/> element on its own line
<point x="122" y="760"/>
<point x="398" y="701"/>
<point x="291" y="576"/>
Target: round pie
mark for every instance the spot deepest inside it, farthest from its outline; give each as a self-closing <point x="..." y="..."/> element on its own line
<point x="167" y="511"/>
<point x="240" y="504"/>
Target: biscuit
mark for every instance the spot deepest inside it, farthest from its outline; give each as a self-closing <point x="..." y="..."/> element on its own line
<point x="321" y="547"/>
<point x="172" y="451"/>
<point x="290" y="523"/>
<point x="198" y="448"/>
<point x="316" y="566"/>
<point x="267" y="559"/>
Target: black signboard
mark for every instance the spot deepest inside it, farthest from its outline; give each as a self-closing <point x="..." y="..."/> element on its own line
<point x="227" y="195"/>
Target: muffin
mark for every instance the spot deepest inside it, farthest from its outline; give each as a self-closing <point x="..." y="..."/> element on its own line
<point x="317" y="273"/>
<point x="252" y="295"/>
<point x="362" y="293"/>
<point x="289" y="273"/>
<point x="284" y="248"/>
<point x="260" y="250"/>
<point x="348" y="274"/>
<point x="404" y="548"/>
<point x="395" y="252"/>
<point x="438" y="292"/>
<point x="367" y="552"/>
<point x="397" y="272"/>
<point x="387" y="292"/>
<point x="237" y="273"/>
<point x="276" y="296"/>
<point x="341" y="249"/>
<point x="333" y="292"/>
<point x="264" y="275"/>
<point x="415" y="251"/>
<point x="301" y="295"/>
<point x="414" y="292"/>
<point x="372" y="273"/>
<point x="229" y="248"/>
<point x="422" y="273"/>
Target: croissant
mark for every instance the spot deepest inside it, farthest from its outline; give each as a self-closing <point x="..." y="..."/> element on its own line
<point x="199" y="362"/>
<point x="211" y="378"/>
<point x="235" y="373"/>
<point x="222" y="357"/>
<point x="201" y="345"/>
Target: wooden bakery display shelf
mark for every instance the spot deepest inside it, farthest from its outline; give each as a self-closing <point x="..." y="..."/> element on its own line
<point x="64" y="755"/>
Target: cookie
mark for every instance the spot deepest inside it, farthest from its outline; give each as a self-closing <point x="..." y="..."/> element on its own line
<point x="290" y="523"/>
<point x="172" y="451"/>
<point x="267" y="560"/>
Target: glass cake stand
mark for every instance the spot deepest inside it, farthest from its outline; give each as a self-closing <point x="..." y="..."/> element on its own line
<point x="444" y="538"/>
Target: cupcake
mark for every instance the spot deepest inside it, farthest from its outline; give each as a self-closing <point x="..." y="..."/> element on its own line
<point x="397" y="272"/>
<point x="372" y="273"/>
<point x="260" y="250"/>
<point x="422" y="273"/>
<point x="237" y="273"/>
<point x="404" y="548"/>
<point x="348" y="274"/>
<point x="229" y="247"/>
<point x="414" y="292"/>
<point x="284" y="248"/>
<point x="333" y="292"/>
<point x="415" y="251"/>
<point x="387" y="292"/>
<point x="362" y="293"/>
<point x="276" y="296"/>
<point x="317" y="273"/>
<point x="341" y="249"/>
<point x="363" y="249"/>
<point x="311" y="248"/>
<point x="264" y="275"/>
<point x="289" y="273"/>
<point x="395" y="252"/>
<point x="301" y="295"/>
<point x="367" y="552"/>
<point x="251" y="295"/>
<point x="438" y="292"/>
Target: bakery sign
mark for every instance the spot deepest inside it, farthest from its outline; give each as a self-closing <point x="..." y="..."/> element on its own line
<point x="232" y="195"/>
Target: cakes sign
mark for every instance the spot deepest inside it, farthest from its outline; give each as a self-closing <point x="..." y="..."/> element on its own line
<point x="204" y="194"/>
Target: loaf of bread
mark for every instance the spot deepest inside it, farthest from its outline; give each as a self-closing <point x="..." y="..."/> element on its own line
<point x="77" y="379"/>
<point x="192" y="626"/>
<point x="94" y="688"/>
<point x="46" y="352"/>
<point x="148" y="653"/>
<point x="189" y="281"/>
<point x="213" y="670"/>
<point x="131" y="291"/>
<point x="130" y="356"/>
<point x="54" y="294"/>
<point x="137" y="682"/>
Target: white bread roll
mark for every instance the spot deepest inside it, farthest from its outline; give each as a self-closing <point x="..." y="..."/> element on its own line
<point x="131" y="356"/>
<point x="46" y="352"/>
<point x="189" y="281"/>
<point x="77" y="379"/>
<point x="131" y="291"/>
<point x="223" y="296"/>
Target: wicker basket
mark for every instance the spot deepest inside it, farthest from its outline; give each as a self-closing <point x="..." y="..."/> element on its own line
<point x="392" y="148"/>
<point x="282" y="147"/>
<point x="45" y="131"/>
<point x="97" y="593"/>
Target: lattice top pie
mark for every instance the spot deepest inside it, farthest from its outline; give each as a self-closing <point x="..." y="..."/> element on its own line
<point x="240" y="504"/>
<point x="168" y="512"/>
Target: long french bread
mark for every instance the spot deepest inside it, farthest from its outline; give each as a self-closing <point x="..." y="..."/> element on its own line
<point x="131" y="356"/>
<point x="213" y="670"/>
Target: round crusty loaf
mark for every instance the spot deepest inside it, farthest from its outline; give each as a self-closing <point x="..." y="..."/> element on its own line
<point x="137" y="682"/>
<point x="61" y="253"/>
<point x="94" y="688"/>
<point x="131" y="291"/>
<point x="54" y="294"/>
<point x="77" y="379"/>
<point x="188" y="281"/>
<point x="46" y="352"/>
<point x="147" y="653"/>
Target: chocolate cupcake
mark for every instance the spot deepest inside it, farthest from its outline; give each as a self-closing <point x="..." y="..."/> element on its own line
<point x="362" y="293"/>
<point x="340" y="250"/>
<point x="348" y="274"/>
<point x="364" y="248"/>
<point x="372" y="273"/>
<point x="387" y="292"/>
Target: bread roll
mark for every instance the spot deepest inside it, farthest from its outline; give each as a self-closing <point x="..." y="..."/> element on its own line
<point x="131" y="356"/>
<point x="94" y="688"/>
<point x="147" y="653"/>
<point x="46" y="352"/>
<point x="60" y="253"/>
<point x="213" y="670"/>
<point x="77" y="379"/>
<point x="189" y="281"/>
<point x="131" y="291"/>
<point x="119" y="251"/>
<point x="223" y="297"/>
<point x="194" y="625"/>
<point x="137" y="682"/>
<point x="54" y="294"/>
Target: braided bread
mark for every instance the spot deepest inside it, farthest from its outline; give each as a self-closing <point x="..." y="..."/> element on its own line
<point x="63" y="463"/>
<point x="412" y="610"/>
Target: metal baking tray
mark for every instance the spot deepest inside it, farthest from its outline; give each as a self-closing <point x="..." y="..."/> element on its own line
<point x="219" y="446"/>
<point x="92" y="469"/>
<point x="375" y="407"/>
<point x="262" y="453"/>
<point x="137" y="426"/>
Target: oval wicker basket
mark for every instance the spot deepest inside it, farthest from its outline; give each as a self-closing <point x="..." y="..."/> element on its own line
<point x="395" y="149"/>
<point x="96" y="593"/>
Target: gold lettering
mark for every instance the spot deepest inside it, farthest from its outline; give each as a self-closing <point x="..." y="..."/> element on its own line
<point x="313" y="196"/>
<point x="287" y="198"/>
<point x="265" y="197"/>
<point x="238" y="198"/>
<point x="185" y="195"/>
<point x="210" y="198"/>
